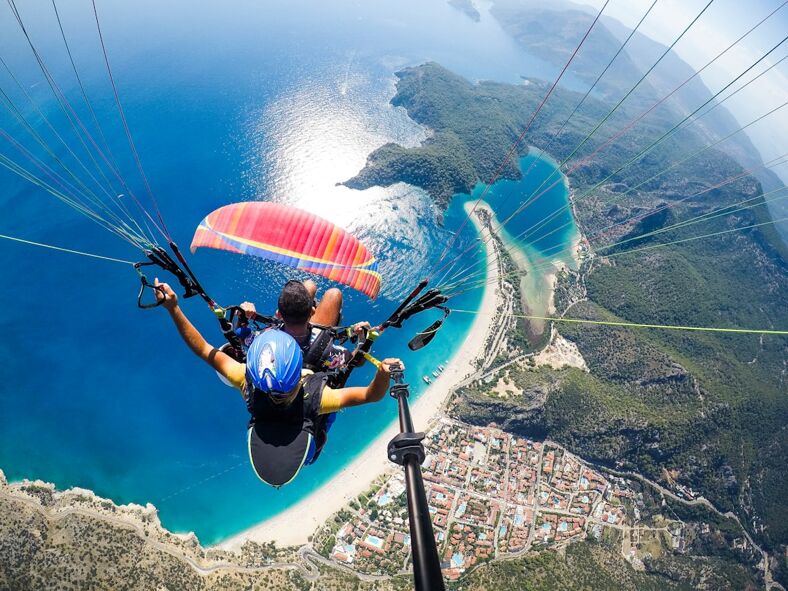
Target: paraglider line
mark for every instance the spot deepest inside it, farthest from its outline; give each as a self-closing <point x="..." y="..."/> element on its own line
<point x="520" y="138"/>
<point x="672" y="131"/>
<point x="632" y="123"/>
<point x="71" y="115"/>
<point x="112" y="161"/>
<point x="771" y="164"/>
<point x="531" y="198"/>
<point x="72" y="200"/>
<point x="640" y="325"/>
<point x="68" y="111"/>
<point x="455" y="281"/>
<point x="85" y="210"/>
<point x="590" y="191"/>
<point x="68" y="250"/>
<point x="467" y="273"/>
<point x="528" y="232"/>
<point x="203" y="481"/>
<point x="483" y="282"/>
<point x="560" y="130"/>
<point x="125" y="123"/>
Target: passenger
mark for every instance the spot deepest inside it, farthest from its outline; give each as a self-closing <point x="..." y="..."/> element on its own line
<point x="289" y="405"/>
<point x="305" y="320"/>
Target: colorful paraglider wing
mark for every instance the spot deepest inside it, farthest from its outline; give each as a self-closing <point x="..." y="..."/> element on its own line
<point x="291" y="236"/>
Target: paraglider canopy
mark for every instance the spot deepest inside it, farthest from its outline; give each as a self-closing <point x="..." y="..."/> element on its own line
<point x="292" y="236"/>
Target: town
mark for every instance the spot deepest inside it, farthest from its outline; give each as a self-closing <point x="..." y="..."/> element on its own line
<point x="491" y="495"/>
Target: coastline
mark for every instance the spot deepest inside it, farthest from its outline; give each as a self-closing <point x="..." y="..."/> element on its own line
<point x="311" y="512"/>
<point x="539" y="271"/>
<point x="536" y="288"/>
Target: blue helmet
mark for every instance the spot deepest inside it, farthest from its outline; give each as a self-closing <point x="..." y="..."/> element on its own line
<point x="274" y="361"/>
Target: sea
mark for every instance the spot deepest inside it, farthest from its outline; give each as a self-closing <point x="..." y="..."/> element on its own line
<point x="226" y="102"/>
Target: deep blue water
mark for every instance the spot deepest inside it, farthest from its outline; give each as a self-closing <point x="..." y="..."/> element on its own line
<point x="226" y="104"/>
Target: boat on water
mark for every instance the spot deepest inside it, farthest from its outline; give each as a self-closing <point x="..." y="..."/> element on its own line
<point x="435" y="374"/>
<point x="426" y="379"/>
<point x="441" y="368"/>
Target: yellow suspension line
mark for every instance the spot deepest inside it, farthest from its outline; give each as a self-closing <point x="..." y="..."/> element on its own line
<point x="638" y="325"/>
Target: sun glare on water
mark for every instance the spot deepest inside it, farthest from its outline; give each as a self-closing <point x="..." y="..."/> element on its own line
<point x="317" y="135"/>
<point x="313" y="138"/>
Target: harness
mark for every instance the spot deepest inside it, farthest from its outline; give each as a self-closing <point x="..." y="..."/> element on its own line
<point x="303" y="414"/>
<point x="318" y="350"/>
<point x="303" y="411"/>
<point x="316" y="347"/>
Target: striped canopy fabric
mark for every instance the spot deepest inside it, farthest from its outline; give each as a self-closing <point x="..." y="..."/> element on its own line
<point x="289" y="235"/>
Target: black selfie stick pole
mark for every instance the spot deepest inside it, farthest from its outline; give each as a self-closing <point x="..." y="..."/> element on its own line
<point x="407" y="450"/>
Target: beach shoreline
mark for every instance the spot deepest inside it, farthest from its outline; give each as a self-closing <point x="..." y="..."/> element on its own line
<point x="295" y="525"/>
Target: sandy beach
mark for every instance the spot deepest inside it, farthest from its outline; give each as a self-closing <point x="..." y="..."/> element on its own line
<point x="294" y="525"/>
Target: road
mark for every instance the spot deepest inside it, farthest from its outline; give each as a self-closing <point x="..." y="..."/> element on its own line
<point x="764" y="565"/>
<point x="308" y="569"/>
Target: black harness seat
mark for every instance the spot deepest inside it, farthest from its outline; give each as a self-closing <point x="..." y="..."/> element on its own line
<point x="280" y="436"/>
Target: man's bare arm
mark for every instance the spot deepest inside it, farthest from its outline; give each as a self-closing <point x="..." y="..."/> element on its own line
<point x="375" y="391"/>
<point x="221" y="362"/>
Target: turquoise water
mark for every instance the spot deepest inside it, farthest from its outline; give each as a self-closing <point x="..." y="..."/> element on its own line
<point x="226" y="104"/>
<point x="535" y="212"/>
<point x="538" y="230"/>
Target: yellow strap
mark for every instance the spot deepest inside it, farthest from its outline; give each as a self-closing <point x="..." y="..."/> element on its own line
<point x="371" y="359"/>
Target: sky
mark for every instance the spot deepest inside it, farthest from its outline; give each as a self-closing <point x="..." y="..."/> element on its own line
<point x="723" y="22"/>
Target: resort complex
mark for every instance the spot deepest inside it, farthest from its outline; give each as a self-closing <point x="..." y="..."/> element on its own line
<point x="491" y="495"/>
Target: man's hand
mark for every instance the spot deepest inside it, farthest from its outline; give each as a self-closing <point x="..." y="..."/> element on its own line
<point x="385" y="368"/>
<point x="249" y="310"/>
<point x="360" y="328"/>
<point x="221" y="362"/>
<point x="376" y="389"/>
<point x="164" y="292"/>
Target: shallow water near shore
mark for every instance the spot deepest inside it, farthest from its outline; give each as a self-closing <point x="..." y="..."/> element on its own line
<point x="535" y="224"/>
<point x="275" y="103"/>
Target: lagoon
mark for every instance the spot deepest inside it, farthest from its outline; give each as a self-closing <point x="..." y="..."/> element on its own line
<point x="534" y="222"/>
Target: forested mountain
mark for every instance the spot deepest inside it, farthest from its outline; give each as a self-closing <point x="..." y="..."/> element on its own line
<point x="703" y="410"/>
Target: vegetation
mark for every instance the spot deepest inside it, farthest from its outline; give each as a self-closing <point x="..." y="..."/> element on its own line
<point x="325" y="538"/>
<point x="473" y="128"/>
<point x="599" y="566"/>
<point x="741" y="403"/>
<point x="708" y="408"/>
<point x="41" y="548"/>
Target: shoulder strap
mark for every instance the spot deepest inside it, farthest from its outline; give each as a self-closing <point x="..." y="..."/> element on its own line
<point x="314" y="386"/>
<point x="313" y="393"/>
<point x="313" y="356"/>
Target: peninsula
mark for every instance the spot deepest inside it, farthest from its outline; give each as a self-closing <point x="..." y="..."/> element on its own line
<point x="467" y="145"/>
<point x="705" y="413"/>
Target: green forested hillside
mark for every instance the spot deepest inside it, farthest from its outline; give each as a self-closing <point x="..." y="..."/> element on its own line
<point x="467" y="143"/>
<point x="710" y="408"/>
